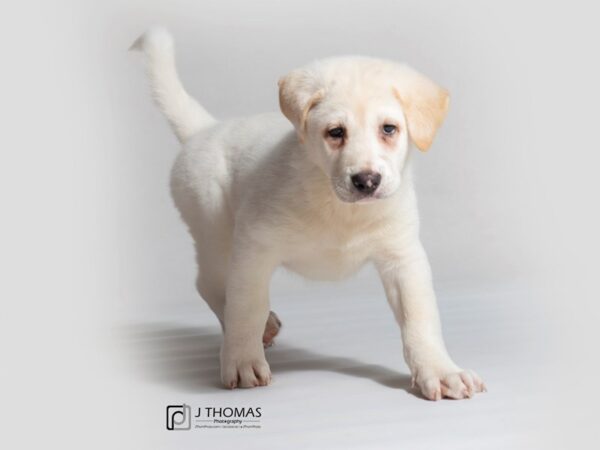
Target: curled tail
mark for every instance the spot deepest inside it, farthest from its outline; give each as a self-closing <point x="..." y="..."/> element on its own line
<point x="185" y="115"/>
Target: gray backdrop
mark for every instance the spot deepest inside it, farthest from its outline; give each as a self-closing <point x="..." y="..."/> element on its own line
<point x="508" y="193"/>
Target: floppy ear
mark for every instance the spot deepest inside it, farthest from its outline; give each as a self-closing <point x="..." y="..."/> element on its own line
<point x="425" y="105"/>
<point x="299" y="91"/>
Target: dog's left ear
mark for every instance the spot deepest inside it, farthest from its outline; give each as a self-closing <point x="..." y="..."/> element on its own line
<point x="425" y="105"/>
<point x="299" y="91"/>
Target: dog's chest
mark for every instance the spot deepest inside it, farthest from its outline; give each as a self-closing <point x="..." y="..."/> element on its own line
<point x="328" y="253"/>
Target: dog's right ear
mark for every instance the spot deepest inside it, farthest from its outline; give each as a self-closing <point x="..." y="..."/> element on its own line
<point x="299" y="92"/>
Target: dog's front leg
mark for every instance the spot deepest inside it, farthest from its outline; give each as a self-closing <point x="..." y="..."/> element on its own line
<point x="243" y="362"/>
<point x="406" y="276"/>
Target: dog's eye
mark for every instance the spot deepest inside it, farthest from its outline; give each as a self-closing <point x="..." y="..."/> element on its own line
<point x="389" y="129"/>
<point x="336" y="133"/>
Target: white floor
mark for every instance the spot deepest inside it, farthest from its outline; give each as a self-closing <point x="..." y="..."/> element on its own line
<point x="338" y="376"/>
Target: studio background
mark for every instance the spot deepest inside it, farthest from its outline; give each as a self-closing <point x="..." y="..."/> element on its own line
<point x="97" y="258"/>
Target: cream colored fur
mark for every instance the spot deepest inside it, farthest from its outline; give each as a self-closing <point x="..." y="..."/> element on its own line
<point x="257" y="195"/>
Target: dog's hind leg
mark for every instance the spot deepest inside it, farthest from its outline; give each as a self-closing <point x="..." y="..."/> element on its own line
<point x="272" y="328"/>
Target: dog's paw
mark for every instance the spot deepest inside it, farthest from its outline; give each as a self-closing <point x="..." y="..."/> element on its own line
<point x="455" y="384"/>
<point x="246" y="371"/>
<point x="271" y="329"/>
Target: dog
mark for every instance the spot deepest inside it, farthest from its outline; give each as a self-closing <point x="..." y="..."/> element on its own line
<point x="322" y="190"/>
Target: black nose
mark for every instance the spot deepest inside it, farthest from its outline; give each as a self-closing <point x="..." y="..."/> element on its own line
<point x="366" y="182"/>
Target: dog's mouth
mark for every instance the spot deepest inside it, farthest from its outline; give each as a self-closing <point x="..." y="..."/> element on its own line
<point x="348" y="195"/>
<point x="352" y="196"/>
<point x="368" y="198"/>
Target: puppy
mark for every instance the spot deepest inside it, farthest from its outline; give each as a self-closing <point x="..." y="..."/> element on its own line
<point x="321" y="198"/>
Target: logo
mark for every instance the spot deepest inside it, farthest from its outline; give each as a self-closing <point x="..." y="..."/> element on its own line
<point x="179" y="417"/>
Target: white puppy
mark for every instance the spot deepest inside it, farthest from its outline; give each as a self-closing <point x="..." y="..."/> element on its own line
<point x="322" y="199"/>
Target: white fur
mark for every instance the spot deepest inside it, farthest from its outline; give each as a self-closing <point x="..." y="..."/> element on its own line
<point x="256" y="195"/>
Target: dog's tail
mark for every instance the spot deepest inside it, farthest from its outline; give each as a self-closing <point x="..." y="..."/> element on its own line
<point x="185" y="115"/>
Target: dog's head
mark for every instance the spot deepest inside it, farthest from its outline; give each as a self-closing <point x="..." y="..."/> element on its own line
<point x="357" y="116"/>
